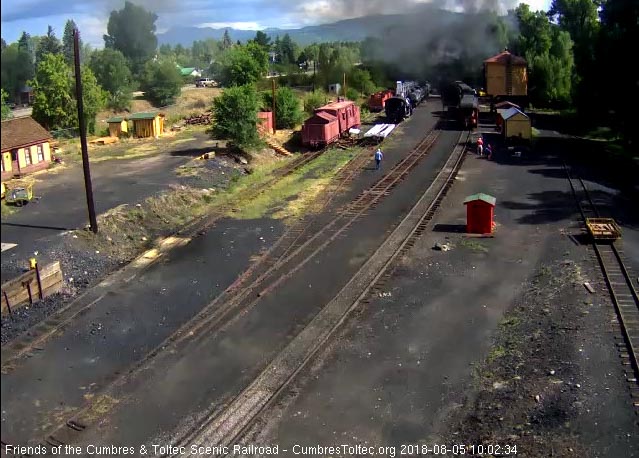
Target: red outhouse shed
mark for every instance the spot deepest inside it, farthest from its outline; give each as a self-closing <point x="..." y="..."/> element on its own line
<point x="480" y="211"/>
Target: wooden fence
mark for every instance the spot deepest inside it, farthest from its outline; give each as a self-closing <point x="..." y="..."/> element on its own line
<point x="31" y="287"/>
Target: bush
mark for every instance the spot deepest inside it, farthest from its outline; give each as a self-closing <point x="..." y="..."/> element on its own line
<point x="161" y="82"/>
<point x="235" y="113"/>
<point x="361" y="81"/>
<point x="314" y="100"/>
<point x="352" y="94"/>
<point x="288" y="112"/>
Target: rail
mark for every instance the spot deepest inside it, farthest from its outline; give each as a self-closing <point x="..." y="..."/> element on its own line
<point x="622" y="291"/>
<point x="228" y="426"/>
<point x="241" y="296"/>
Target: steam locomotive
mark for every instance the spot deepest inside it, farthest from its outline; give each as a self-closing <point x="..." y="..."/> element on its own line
<point x="408" y="95"/>
<point x="462" y="103"/>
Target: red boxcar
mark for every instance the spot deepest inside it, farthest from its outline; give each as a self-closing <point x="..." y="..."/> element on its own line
<point x="320" y="129"/>
<point x="377" y="101"/>
<point x="329" y="122"/>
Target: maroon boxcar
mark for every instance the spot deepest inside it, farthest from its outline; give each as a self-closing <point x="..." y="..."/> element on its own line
<point x="329" y="122"/>
<point x="320" y="129"/>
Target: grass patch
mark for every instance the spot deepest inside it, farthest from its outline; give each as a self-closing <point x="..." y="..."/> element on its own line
<point x="294" y="194"/>
<point x="473" y="245"/>
<point x="8" y="209"/>
<point x="510" y="322"/>
<point x="496" y="353"/>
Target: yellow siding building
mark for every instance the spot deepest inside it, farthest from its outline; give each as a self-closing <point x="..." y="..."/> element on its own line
<point x="117" y="126"/>
<point x="148" y="124"/>
<point x="515" y="124"/>
<point x="506" y="75"/>
<point x="25" y="147"/>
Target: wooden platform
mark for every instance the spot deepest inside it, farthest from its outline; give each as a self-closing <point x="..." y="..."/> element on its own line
<point x="603" y="228"/>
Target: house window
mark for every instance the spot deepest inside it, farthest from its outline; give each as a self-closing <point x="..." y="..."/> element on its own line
<point x="27" y="156"/>
<point x="40" y="153"/>
<point x="14" y="155"/>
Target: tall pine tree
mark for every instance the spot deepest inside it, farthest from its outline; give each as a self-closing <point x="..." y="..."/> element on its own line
<point x="49" y="44"/>
<point x="67" y="41"/>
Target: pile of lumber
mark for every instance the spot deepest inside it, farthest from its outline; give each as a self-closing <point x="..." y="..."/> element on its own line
<point x="204" y="118"/>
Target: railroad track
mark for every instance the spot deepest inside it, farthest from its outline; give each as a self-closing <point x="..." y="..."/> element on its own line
<point x="227" y="426"/>
<point x="289" y="254"/>
<point x="22" y="346"/>
<point x="620" y="285"/>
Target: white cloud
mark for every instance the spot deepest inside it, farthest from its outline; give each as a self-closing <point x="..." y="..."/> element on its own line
<point x="233" y="25"/>
<point x="92" y="29"/>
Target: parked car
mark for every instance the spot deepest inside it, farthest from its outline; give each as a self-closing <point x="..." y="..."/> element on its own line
<point x="205" y="82"/>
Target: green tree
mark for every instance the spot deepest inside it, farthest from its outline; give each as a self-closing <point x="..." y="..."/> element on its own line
<point x="263" y="40"/>
<point x="244" y="65"/>
<point x="235" y="113"/>
<point x="314" y="100"/>
<point x="131" y="31"/>
<point x="110" y="68"/>
<point x="226" y="40"/>
<point x="361" y="81"/>
<point x="288" y="50"/>
<point x="549" y="52"/>
<point x="16" y="68"/>
<point x="161" y="82"/>
<point x="204" y="52"/>
<point x="53" y="105"/>
<point x="6" y="111"/>
<point x="67" y="41"/>
<point x="619" y="34"/>
<point x="49" y="44"/>
<point x="93" y="98"/>
<point x="288" y="111"/>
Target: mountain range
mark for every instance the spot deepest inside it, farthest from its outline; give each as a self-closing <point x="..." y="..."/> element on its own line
<point x="346" y="30"/>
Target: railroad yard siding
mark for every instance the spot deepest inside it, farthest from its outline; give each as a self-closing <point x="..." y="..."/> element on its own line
<point x="126" y="324"/>
<point x="209" y="371"/>
<point x="405" y="362"/>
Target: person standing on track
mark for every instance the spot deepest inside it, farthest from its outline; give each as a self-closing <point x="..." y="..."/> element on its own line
<point x="378" y="158"/>
<point x="480" y="146"/>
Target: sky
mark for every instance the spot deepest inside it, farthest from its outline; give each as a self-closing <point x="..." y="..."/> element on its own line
<point x="91" y="16"/>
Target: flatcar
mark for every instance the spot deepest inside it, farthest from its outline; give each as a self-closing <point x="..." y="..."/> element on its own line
<point x="330" y="122"/>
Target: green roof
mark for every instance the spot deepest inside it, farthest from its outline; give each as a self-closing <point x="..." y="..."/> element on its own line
<point x="143" y="115"/>
<point x="481" y="196"/>
<point x="115" y="119"/>
<point x="186" y="71"/>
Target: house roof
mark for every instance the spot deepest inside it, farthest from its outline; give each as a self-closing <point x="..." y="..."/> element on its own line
<point x="506" y="104"/>
<point x="20" y="132"/>
<point x="148" y="115"/>
<point x="185" y="71"/>
<point x="336" y="105"/>
<point x="324" y="116"/>
<point x="115" y="119"/>
<point x="509" y="113"/>
<point x="506" y="58"/>
<point x="481" y="196"/>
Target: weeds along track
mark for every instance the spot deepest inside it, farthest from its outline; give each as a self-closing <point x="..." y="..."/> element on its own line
<point x="620" y="286"/>
<point x="228" y="426"/>
<point x="293" y="250"/>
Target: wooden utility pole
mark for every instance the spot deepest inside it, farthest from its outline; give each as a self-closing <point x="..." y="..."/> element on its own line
<point x="83" y="133"/>
<point x="273" y="89"/>
<point x="344" y="91"/>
